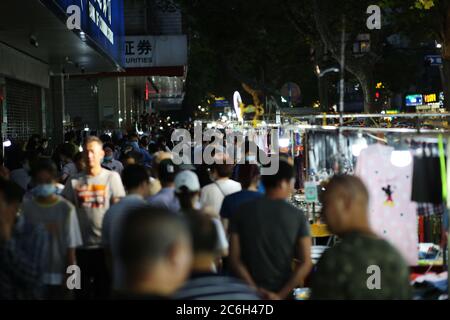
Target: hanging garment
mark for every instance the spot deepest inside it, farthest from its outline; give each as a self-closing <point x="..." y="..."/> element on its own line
<point x="430" y="229"/>
<point x="421" y="230"/>
<point x="430" y="209"/>
<point x="392" y="214"/>
<point x="427" y="182"/>
<point x="298" y="168"/>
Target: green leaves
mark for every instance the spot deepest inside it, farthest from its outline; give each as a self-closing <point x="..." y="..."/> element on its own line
<point x="424" y="4"/>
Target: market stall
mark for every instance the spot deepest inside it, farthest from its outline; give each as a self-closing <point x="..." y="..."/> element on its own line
<point x="403" y="161"/>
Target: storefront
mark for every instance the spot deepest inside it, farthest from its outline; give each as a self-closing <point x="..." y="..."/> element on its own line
<point x="39" y="53"/>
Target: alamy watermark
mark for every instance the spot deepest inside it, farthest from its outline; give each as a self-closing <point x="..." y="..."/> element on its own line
<point x="374" y="20"/>
<point x="73" y="281"/>
<point x="231" y="145"/>
<point x="374" y="280"/>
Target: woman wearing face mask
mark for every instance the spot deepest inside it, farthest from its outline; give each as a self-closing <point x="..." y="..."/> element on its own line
<point x="187" y="190"/>
<point x="109" y="162"/>
<point x="59" y="217"/>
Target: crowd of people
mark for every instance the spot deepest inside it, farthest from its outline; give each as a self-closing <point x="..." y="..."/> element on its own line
<point x="139" y="226"/>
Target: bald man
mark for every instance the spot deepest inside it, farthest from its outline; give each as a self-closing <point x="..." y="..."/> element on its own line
<point x="361" y="265"/>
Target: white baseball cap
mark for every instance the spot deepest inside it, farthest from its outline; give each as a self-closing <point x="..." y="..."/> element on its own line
<point x="187" y="179"/>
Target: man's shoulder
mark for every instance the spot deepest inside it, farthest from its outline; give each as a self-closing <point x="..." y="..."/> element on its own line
<point x="209" y="187"/>
<point x="117" y="162"/>
<point x="70" y="165"/>
<point x="109" y="173"/>
<point x="233" y="196"/>
<point x="255" y="201"/>
<point x="362" y="247"/>
<point x="215" y="285"/>
<point x="229" y="183"/>
<point x="251" y="205"/>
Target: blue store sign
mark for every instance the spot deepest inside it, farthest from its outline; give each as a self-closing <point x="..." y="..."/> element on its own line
<point x="101" y="20"/>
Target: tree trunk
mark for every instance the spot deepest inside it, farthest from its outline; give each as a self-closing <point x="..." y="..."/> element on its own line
<point x="367" y="82"/>
<point x="446" y="82"/>
<point x="362" y="67"/>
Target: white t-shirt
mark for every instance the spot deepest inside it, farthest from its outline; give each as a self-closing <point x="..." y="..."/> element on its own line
<point x="212" y="195"/>
<point x="92" y="197"/>
<point x="222" y="241"/>
<point x="61" y="221"/>
<point x="111" y="228"/>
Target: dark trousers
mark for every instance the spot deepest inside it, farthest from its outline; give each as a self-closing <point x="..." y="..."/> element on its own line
<point x="95" y="278"/>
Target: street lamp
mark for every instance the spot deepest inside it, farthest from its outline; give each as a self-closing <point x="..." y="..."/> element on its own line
<point x="324" y="72"/>
<point x="323" y="96"/>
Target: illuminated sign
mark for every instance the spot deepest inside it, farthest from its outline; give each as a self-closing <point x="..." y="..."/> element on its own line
<point x="391" y="111"/>
<point x="155" y="51"/>
<point x="101" y="20"/>
<point x="429" y="98"/>
<point x="221" y="102"/>
<point x="414" y="100"/>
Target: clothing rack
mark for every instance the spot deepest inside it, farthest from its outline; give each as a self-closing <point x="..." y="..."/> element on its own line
<point x="373" y="115"/>
<point x="373" y="130"/>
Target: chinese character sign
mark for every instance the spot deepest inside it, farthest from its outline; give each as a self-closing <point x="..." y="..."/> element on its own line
<point x="155" y="51"/>
<point x="139" y="51"/>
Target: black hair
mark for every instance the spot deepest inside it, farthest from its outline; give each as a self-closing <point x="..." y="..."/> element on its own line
<point x="43" y="164"/>
<point x="137" y="156"/>
<point x="223" y="170"/>
<point x="152" y="148"/>
<point x="185" y="198"/>
<point x="67" y="150"/>
<point x="148" y="234"/>
<point x="133" y="176"/>
<point x="109" y="145"/>
<point x="285" y="173"/>
<point x="203" y="232"/>
<point x="33" y="142"/>
<point x="105" y="138"/>
<point x="143" y="138"/>
<point x="70" y="135"/>
<point x="78" y="156"/>
<point x="248" y="173"/>
<point x="133" y="135"/>
<point x="164" y="175"/>
<point x="10" y="191"/>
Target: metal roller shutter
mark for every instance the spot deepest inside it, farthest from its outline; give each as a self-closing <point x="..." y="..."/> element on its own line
<point x="23" y="107"/>
<point x="81" y="100"/>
